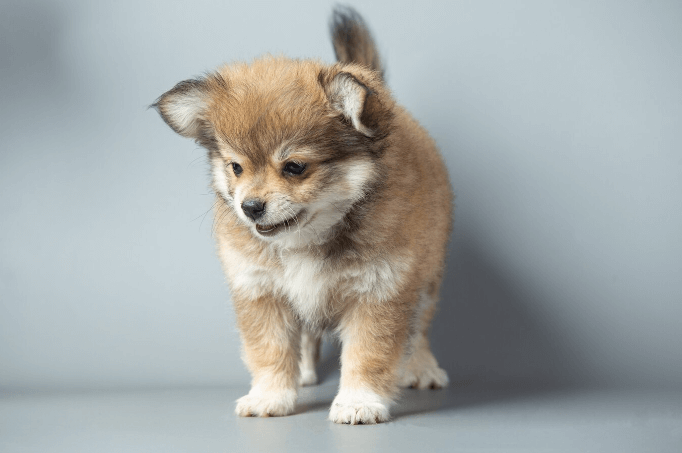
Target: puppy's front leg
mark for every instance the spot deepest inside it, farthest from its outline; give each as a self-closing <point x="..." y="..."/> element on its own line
<point x="271" y="341"/>
<point x="373" y="336"/>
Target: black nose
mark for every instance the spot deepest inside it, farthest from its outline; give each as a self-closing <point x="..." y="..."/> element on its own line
<point x="253" y="209"/>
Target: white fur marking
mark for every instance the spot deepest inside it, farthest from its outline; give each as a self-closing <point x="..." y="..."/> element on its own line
<point x="358" y="174"/>
<point x="219" y="177"/>
<point x="380" y="280"/>
<point x="306" y="289"/>
<point x="359" y="406"/>
<point x="261" y="402"/>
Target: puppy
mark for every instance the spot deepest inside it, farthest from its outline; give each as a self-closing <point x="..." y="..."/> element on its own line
<point x="333" y="212"/>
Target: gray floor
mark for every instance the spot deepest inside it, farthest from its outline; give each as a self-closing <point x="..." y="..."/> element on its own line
<point x="465" y="417"/>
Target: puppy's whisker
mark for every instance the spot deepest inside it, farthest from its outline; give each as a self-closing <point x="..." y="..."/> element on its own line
<point x="284" y="221"/>
<point x="294" y="216"/>
<point x="298" y="225"/>
<point x="203" y="217"/>
<point x="319" y="240"/>
<point x="225" y="212"/>
<point x="215" y="216"/>
<point x="340" y="211"/>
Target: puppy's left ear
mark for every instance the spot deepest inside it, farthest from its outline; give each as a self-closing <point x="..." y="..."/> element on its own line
<point x="349" y="97"/>
<point x="185" y="109"/>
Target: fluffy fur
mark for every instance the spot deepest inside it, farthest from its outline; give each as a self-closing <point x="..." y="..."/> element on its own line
<point x="333" y="212"/>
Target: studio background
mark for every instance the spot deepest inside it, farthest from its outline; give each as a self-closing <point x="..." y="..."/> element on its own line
<point x="561" y="126"/>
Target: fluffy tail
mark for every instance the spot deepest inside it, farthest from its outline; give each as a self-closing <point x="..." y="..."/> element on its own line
<point x="352" y="39"/>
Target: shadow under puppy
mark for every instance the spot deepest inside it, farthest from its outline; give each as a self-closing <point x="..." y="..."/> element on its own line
<point x="333" y="212"/>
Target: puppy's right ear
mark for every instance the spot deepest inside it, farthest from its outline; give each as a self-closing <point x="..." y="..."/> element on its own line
<point x="348" y="96"/>
<point x="185" y="109"/>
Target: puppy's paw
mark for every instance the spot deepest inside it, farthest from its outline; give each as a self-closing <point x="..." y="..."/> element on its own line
<point x="359" y="413"/>
<point x="358" y="407"/>
<point x="426" y="377"/>
<point x="308" y="377"/>
<point x="260" y="403"/>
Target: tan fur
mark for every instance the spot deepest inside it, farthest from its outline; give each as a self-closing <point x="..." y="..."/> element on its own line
<point x="363" y="247"/>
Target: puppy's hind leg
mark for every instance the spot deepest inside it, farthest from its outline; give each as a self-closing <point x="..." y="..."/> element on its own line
<point x="420" y="368"/>
<point x="310" y="355"/>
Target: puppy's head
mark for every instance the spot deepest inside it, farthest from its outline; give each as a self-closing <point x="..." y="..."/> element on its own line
<point x="293" y="145"/>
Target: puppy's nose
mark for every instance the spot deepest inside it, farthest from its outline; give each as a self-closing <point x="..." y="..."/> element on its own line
<point x="253" y="209"/>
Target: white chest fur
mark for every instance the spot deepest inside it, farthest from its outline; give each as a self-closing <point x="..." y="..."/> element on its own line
<point x="308" y="283"/>
<point x="300" y="278"/>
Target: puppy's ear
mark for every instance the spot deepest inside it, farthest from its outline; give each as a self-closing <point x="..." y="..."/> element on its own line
<point x="185" y="109"/>
<point x="348" y="96"/>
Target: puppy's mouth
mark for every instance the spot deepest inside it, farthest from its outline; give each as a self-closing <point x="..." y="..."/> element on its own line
<point x="272" y="230"/>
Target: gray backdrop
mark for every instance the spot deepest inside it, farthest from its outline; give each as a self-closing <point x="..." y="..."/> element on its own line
<point x="561" y="124"/>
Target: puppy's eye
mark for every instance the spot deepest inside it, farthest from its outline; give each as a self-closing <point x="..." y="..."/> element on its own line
<point x="237" y="168"/>
<point x="294" y="168"/>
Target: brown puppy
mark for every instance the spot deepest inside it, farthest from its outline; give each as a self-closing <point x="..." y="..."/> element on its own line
<point x="333" y="212"/>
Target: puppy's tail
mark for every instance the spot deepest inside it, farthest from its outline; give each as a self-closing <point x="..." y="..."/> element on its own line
<point x="352" y="39"/>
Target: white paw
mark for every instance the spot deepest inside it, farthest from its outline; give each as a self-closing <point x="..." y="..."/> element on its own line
<point x="359" y="413"/>
<point x="308" y="377"/>
<point x="358" y="407"/>
<point x="259" y="403"/>
<point x="428" y="377"/>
